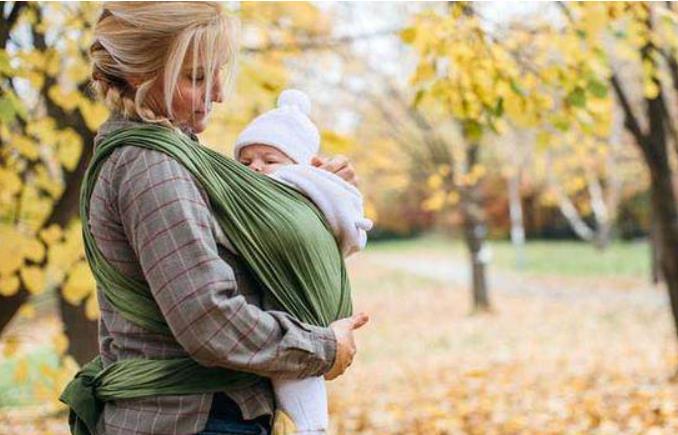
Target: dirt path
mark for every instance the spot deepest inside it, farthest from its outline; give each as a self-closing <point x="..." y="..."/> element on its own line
<point x="454" y="272"/>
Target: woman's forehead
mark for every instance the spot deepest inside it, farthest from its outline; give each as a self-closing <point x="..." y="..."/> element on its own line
<point x="217" y="56"/>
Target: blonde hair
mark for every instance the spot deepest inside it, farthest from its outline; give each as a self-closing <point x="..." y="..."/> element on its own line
<point x="151" y="41"/>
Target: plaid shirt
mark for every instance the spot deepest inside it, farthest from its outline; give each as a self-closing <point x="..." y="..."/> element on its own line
<point x="152" y="220"/>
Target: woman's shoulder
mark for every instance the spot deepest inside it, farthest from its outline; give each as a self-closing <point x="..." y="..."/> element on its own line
<point x="128" y="160"/>
<point x="135" y="170"/>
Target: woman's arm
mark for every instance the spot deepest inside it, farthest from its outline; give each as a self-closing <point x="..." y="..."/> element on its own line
<point x="167" y="220"/>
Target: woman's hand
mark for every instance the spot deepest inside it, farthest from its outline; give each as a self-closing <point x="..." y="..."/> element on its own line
<point x="338" y="165"/>
<point x="343" y="331"/>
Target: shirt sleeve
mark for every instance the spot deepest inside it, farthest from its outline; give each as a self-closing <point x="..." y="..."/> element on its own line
<point x="166" y="217"/>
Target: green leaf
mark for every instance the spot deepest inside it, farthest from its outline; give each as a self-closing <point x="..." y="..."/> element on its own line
<point x="499" y="107"/>
<point x="5" y="67"/>
<point x="473" y="130"/>
<point x="19" y="107"/>
<point x="597" y="88"/>
<point x="518" y="89"/>
<point x="577" y="97"/>
<point x="418" y="97"/>
<point x="7" y="110"/>
<point x="561" y="122"/>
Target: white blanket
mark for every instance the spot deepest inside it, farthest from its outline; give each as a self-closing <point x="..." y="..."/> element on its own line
<point x="339" y="201"/>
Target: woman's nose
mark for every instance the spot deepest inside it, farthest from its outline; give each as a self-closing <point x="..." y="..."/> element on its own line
<point x="217" y="90"/>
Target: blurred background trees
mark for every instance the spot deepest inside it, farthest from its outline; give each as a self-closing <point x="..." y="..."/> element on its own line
<point x="553" y="121"/>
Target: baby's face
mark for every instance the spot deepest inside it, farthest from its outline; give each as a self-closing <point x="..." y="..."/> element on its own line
<point x="263" y="158"/>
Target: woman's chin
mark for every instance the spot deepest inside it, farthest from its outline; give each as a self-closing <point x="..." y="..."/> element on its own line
<point x="199" y="124"/>
<point x="196" y="126"/>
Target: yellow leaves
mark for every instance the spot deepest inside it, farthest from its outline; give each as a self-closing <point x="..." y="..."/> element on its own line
<point x="594" y="20"/>
<point x="10" y="184"/>
<point x="35" y="208"/>
<point x="77" y="72"/>
<point x="453" y="198"/>
<point x="11" y="345"/>
<point x="8" y="285"/>
<point x="43" y="129"/>
<point x="408" y="35"/>
<point x="27" y="311"/>
<point x="51" y="234"/>
<point x="543" y="140"/>
<point x="25" y="146"/>
<point x="33" y="249"/>
<point x="434" y="182"/>
<point x="33" y="278"/>
<point x="79" y="284"/>
<point x="371" y="211"/>
<point x="575" y="184"/>
<point x="21" y="371"/>
<point x="66" y="100"/>
<point x="435" y="202"/>
<point x="92" y="307"/>
<point x="69" y="148"/>
<point x="60" y="342"/>
<point x="472" y="177"/>
<point x="12" y="253"/>
<point x="335" y="143"/>
<point x="53" y="63"/>
<point x="93" y="112"/>
<point x="425" y="71"/>
<point x="45" y="181"/>
<point x="650" y="88"/>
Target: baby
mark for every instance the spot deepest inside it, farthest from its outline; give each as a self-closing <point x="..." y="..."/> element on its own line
<point x="281" y="143"/>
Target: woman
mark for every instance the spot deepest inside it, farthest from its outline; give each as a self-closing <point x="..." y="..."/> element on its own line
<point x="161" y="63"/>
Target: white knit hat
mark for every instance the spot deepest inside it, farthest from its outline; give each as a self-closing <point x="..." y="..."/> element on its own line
<point x="287" y="128"/>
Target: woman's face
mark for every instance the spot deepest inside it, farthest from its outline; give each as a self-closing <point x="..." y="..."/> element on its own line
<point x="188" y="105"/>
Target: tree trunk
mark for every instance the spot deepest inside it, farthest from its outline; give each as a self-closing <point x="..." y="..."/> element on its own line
<point x="475" y="231"/>
<point x="654" y="147"/>
<point x="663" y="197"/>
<point x="516" y="214"/>
<point x="10" y="305"/>
<point x="664" y="205"/>
<point x="655" y="268"/>
<point x="82" y="332"/>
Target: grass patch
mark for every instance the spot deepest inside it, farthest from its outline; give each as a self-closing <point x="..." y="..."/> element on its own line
<point x="557" y="258"/>
<point x="13" y="393"/>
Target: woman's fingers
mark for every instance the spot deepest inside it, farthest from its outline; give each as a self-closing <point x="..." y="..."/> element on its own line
<point x="359" y="320"/>
<point x="338" y="165"/>
<point x="348" y="175"/>
<point x="346" y="349"/>
<point x="318" y="161"/>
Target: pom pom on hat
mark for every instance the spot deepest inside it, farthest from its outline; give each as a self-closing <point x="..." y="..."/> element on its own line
<point x="295" y="98"/>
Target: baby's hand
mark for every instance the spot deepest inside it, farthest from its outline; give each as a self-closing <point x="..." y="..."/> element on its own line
<point x="338" y="165"/>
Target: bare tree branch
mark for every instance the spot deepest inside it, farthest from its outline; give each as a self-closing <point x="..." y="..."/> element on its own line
<point x="8" y="23"/>
<point x="319" y="44"/>
<point x="630" y="120"/>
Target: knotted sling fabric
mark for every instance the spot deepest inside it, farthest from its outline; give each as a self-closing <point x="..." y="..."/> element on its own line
<point x="279" y="233"/>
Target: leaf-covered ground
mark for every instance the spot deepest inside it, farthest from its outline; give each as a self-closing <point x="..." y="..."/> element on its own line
<point x="560" y="353"/>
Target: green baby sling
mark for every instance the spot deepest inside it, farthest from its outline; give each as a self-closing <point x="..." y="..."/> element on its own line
<point x="282" y="237"/>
